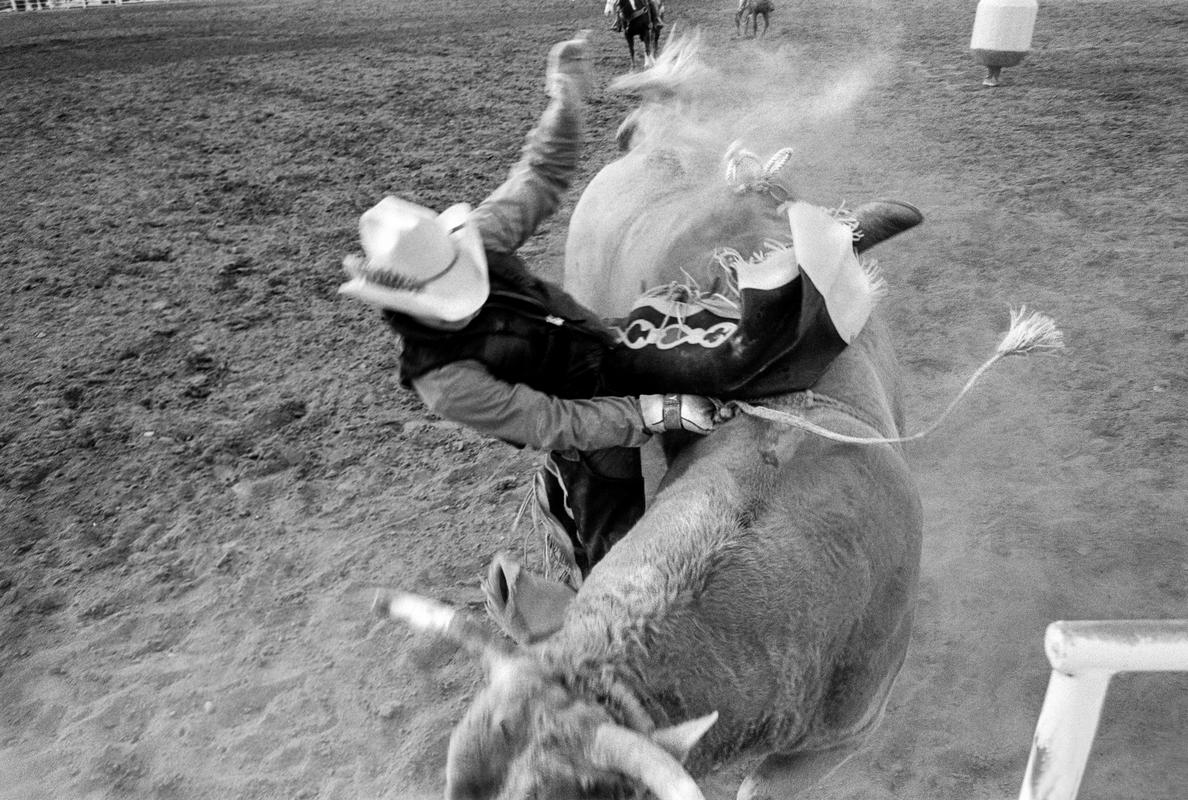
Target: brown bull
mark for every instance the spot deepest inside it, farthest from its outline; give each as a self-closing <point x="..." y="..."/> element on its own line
<point x="762" y="605"/>
<point x="770" y="583"/>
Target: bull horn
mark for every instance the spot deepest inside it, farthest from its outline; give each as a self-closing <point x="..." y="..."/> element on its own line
<point x="429" y="615"/>
<point x="632" y="754"/>
<point x="682" y="738"/>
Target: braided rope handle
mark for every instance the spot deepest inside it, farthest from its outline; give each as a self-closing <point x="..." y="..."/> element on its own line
<point x="1028" y="333"/>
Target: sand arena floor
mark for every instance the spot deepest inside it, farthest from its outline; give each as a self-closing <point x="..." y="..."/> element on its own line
<point x="206" y="461"/>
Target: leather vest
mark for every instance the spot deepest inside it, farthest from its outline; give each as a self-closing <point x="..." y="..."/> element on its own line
<point x="528" y="332"/>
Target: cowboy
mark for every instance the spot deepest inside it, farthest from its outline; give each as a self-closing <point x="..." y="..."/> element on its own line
<point x="489" y="345"/>
<point x="655" y="11"/>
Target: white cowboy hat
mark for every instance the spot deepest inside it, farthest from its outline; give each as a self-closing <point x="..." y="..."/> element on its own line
<point x="417" y="262"/>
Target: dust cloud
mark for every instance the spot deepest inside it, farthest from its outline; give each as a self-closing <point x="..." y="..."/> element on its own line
<point x="697" y="102"/>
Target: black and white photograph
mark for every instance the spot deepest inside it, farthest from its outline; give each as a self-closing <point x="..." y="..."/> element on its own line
<point x="594" y="400"/>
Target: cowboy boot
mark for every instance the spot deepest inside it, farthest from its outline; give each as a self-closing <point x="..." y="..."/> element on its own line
<point x="879" y="220"/>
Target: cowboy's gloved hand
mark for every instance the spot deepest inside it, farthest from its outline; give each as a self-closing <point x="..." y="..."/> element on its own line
<point x="680" y="412"/>
<point x="568" y="68"/>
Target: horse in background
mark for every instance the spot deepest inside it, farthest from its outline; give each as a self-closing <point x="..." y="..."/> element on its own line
<point x="639" y="19"/>
<point x="748" y="15"/>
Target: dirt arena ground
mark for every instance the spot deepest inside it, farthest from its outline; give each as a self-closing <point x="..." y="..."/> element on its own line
<point x="206" y="462"/>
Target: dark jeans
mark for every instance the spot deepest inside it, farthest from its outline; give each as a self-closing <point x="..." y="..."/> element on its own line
<point x="597" y="495"/>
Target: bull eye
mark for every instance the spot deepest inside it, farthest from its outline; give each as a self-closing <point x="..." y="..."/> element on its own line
<point x="505" y="729"/>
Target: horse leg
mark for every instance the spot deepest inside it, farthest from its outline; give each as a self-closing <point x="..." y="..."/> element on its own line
<point x="766" y="22"/>
<point x="631" y="49"/>
<point x="656" y="15"/>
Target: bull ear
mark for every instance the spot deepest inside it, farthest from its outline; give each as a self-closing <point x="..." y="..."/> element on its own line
<point x="679" y="740"/>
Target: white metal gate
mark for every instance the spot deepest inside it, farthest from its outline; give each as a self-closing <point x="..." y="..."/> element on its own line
<point x="1084" y="656"/>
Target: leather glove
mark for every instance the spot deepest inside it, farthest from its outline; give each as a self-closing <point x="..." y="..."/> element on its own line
<point x="568" y="68"/>
<point x="680" y="412"/>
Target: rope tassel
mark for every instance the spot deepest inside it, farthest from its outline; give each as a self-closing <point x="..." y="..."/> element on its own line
<point x="1029" y="333"/>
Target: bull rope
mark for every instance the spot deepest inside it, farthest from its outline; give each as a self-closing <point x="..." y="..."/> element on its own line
<point x="1028" y="333"/>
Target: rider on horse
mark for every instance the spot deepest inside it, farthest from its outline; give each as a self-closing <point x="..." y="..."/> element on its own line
<point x="751" y="10"/>
<point x="655" y="9"/>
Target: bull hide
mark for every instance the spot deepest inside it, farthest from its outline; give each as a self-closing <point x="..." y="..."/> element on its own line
<point x="763" y="604"/>
<point x="772" y="581"/>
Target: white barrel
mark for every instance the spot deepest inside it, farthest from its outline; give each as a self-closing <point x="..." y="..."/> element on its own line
<point x="1002" y="31"/>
